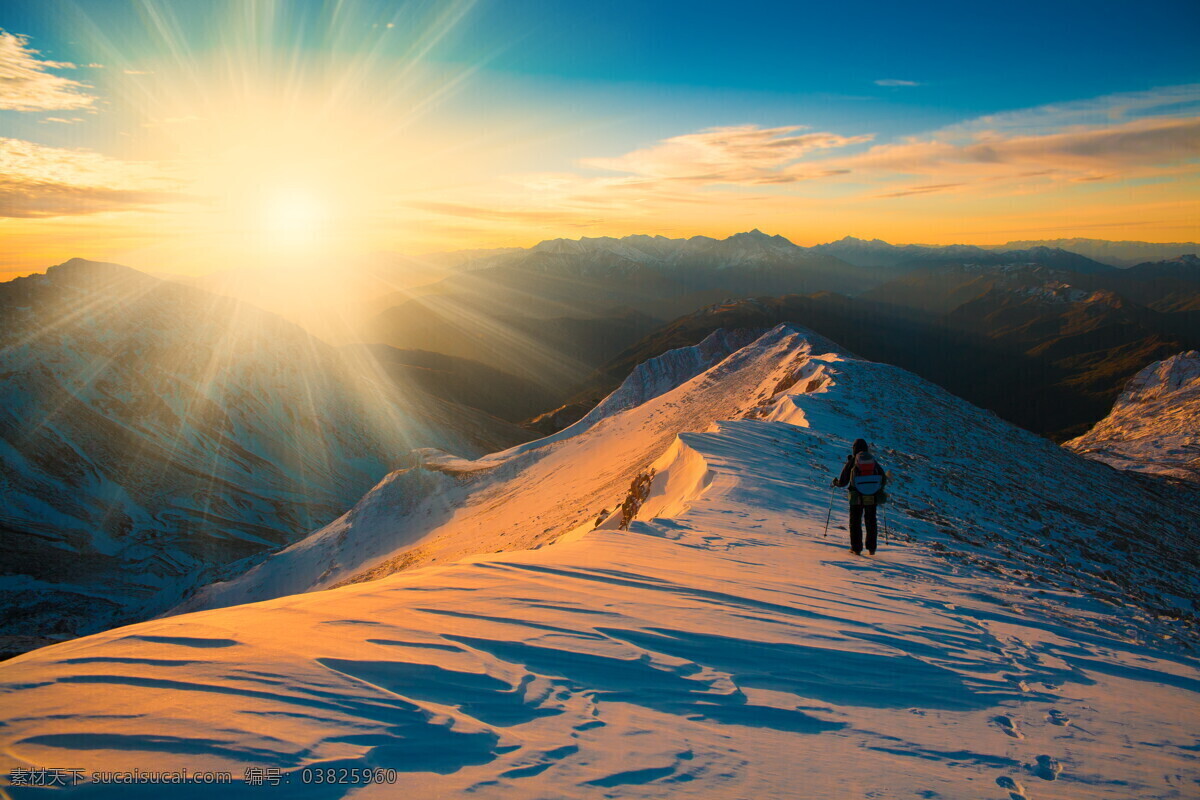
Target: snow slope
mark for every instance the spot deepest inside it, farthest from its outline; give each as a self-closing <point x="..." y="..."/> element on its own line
<point x="151" y="435"/>
<point x="1012" y="639"/>
<point x="1154" y="426"/>
<point x="530" y="494"/>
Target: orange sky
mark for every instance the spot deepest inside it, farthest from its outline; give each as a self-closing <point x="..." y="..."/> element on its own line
<point x="188" y="159"/>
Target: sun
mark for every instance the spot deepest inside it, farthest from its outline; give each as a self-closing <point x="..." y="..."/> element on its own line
<point x="293" y="218"/>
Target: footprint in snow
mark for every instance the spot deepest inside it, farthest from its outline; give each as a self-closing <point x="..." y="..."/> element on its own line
<point x="542" y="762"/>
<point x="1015" y="790"/>
<point x="1007" y="725"/>
<point x="1056" y="717"/>
<point x="664" y="775"/>
<point x="1047" y="768"/>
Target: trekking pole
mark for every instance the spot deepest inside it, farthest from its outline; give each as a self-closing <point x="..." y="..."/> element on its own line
<point x="887" y="537"/>
<point x="829" y="513"/>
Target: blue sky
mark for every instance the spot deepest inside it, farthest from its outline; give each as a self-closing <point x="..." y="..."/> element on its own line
<point x="507" y="121"/>
<point x="969" y="59"/>
<point x="972" y="57"/>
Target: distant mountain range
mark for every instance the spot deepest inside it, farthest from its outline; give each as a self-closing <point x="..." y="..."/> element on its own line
<point x="659" y="276"/>
<point x="751" y="246"/>
<point x="152" y="434"/>
<point x="556" y="311"/>
<point x="1045" y="348"/>
<point x="1117" y="254"/>
<point x="877" y="253"/>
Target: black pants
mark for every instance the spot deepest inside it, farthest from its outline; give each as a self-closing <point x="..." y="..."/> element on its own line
<point x="856" y="520"/>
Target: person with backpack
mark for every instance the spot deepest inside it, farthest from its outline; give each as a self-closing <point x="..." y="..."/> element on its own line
<point x="866" y="479"/>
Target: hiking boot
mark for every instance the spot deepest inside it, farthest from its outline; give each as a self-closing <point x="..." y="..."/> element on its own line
<point x="872" y="552"/>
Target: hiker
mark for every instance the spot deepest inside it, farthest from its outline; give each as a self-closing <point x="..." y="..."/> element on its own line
<point x="866" y="479"/>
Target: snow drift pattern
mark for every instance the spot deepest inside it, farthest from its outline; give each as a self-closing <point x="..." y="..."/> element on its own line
<point x="1008" y="641"/>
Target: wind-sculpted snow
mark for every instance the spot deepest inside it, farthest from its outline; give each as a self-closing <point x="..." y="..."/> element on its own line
<point x="1154" y="426"/>
<point x="534" y="493"/>
<point x="720" y="647"/>
<point x="664" y="373"/>
<point x="394" y="514"/>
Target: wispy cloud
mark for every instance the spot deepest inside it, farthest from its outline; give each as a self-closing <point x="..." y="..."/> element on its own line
<point x="26" y="85"/>
<point x="501" y="214"/>
<point x="39" y="181"/>
<point x="895" y="82"/>
<point x="34" y="199"/>
<point x="1077" y="153"/>
<point x="1106" y="110"/>
<point x="996" y="162"/>
<point x="938" y="187"/>
<point x="744" y="154"/>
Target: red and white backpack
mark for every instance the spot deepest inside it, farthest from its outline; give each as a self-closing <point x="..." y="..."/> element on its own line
<point x="866" y="477"/>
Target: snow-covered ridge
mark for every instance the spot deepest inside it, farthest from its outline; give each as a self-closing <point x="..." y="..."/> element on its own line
<point x="1179" y="374"/>
<point x="1154" y="426"/>
<point x="1008" y="640"/>
<point x="663" y="373"/>
<point x="534" y="493"/>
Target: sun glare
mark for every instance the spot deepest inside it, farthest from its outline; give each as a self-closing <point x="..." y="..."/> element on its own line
<point x="293" y="218"/>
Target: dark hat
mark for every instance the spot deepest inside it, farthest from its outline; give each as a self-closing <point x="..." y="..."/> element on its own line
<point x="860" y="446"/>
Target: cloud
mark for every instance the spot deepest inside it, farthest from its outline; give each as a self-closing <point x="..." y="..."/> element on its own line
<point x="687" y="171"/>
<point x="138" y="72"/>
<point x="895" y="82"/>
<point x="39" y="181"/>
<point x="25" y="84"/>
<point x="1077" y="153"/>
<point x="939" y="187"/>
<point x="1164" y="101"/>
<point x="35" y="199"/>
<point x="63" y="120"/>
<point x="994" y="161"/>
<point x="727" y="171"/>
<point x="499" y="214"/>
<point x="744" y="154"/>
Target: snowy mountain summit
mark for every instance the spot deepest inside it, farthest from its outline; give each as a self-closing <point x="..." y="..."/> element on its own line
<point x="1154" y="426"/>
<point x="647" y="605"/>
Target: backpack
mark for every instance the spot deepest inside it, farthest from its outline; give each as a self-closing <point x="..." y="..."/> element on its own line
<point x="866" y="477"/>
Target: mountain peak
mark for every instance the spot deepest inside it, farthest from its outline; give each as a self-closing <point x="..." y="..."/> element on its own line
<point x="752" y="234"/>
<point x="756" y="236"/>
<point x="93" y="272"/>
<point x="855" y="240"/>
